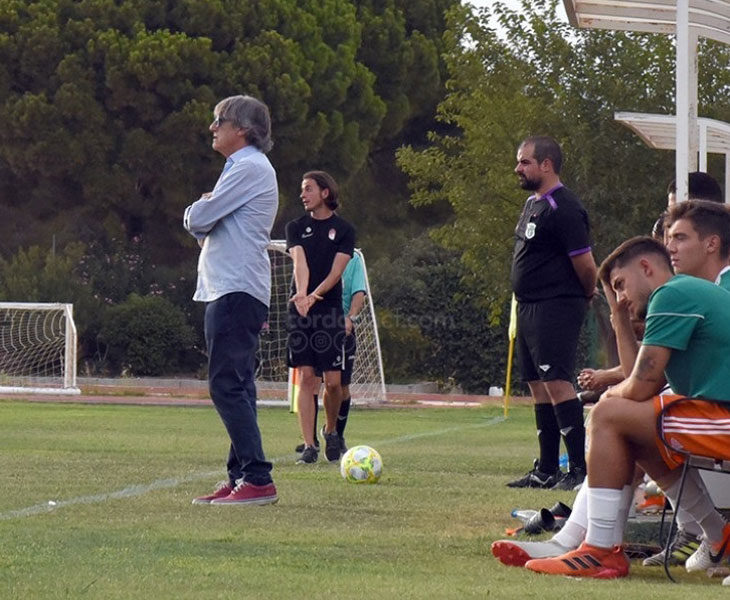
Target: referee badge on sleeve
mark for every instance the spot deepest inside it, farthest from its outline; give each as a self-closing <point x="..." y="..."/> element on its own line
<point x="530" y="230"/>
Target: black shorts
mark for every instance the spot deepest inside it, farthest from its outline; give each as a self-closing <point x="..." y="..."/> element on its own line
<point x="547" y="338"/>
<point x="350" y="351"/>
<point x="316" y="340"/>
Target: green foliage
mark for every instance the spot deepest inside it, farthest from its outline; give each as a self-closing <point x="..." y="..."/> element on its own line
<point x="37" y="275"/>
<point x="104" y="106"/>
<point x="146" y="335"/>
<point x="540" y="76"/>
<point x="432" y="324"/>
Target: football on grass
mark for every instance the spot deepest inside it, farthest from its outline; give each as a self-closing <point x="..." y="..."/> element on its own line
<point x="361" y="464"/>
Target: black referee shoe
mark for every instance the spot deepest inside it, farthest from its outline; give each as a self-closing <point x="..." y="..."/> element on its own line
<point x="537" y="479"/>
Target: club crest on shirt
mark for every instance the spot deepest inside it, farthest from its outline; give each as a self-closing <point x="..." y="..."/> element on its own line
<point x="331" y="234"/>
<point x="530" y="230"/>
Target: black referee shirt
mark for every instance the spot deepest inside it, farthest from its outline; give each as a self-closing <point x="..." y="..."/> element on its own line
<point x="550" y="231"/>
<point x="321" y="240"/>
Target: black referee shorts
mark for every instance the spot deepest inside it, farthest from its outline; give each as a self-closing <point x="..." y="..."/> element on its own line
<point x="317" y="340"/>
<point x="547" y="338"/>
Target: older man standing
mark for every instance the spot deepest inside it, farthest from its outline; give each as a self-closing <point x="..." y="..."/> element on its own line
<point x="232" y="225"/>
<point x="553" y="277"/>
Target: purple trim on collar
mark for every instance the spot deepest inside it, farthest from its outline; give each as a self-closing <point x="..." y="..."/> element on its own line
<point x="579" y="251"/>
<point x="551" y="201"/>
<point x="551" y="190"/>
<point x="549" y="196"/>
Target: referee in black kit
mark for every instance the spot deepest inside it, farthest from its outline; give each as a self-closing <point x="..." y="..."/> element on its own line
<point x="553" y="278"/>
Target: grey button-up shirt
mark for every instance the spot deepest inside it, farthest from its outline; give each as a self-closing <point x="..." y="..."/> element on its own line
<point x="234" y="221"/>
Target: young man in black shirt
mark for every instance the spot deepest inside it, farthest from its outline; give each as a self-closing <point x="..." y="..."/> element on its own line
<point x="321" y="244"/>
<point x="553" y="277"/>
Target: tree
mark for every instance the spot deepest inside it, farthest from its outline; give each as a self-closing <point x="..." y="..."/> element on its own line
<point x="432" y="324"/>
<point x="541" y="76"/>
<point x="104" y="106"/>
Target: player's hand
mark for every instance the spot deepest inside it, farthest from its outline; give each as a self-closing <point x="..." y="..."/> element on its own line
<point x="348" y="325"/>
<point x="593" y="379"/>
<point x="619" y="308"/>
<point x="303" y="303"/>
<point x="586" y="379"/>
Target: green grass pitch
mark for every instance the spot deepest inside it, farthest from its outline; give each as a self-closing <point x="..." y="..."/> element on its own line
<point x="122" y="478"/>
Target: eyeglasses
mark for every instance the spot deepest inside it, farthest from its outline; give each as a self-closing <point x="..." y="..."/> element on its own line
<point x="218" y="121"/>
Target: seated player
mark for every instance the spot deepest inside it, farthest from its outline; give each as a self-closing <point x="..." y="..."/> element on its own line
<point x="699" y="245"/>
<point x="686" y="340"/>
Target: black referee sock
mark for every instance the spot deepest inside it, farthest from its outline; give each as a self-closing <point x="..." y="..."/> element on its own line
<point x="342" y="416"/>
<point x="569" y="415"/>
<point x="548" y="437"/>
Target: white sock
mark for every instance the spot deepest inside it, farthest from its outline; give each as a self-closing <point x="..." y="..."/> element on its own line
<point x="573" y="531"/>
<point x="604" y="505"/>
<point x="627" y="499"/>
<point x="697" y="506"/>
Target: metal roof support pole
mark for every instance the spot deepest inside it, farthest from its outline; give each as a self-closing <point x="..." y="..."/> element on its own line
<point x="681" y="167"/>
<point x="692" y="86"/>
<point x="703" y="147"/>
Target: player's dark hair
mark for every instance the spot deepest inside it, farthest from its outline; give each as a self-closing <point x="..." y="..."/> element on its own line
<point x="325" y="181"/>
<point x="700" y="186"/>
<point x="545" y="147"/>
<point x="628" y="251"/>
<point x="707" y="218"/>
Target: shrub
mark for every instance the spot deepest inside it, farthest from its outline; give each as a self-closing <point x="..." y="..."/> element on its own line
<point x="146" y="335"/>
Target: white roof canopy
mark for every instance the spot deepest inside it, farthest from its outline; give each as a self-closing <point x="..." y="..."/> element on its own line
<point x="660" y="131"/>
<point x="709" y="18"/>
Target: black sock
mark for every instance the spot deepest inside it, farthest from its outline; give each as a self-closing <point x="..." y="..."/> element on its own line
<point x="548" y="438"/>
<point x="569" y="415"/>
<point x="316" y="410"/>
<point x="342" y="416"/>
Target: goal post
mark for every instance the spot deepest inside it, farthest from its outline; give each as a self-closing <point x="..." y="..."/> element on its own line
<point x="367" y="385"/>
<point x="37" y="348"/>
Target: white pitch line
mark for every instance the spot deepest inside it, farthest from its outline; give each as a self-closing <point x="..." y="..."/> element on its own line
<point x="161" y="484"/>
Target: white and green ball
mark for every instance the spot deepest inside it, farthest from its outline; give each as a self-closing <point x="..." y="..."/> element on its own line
<point x="361" y="464"/>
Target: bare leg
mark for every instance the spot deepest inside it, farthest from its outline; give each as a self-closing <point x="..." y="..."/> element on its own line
<point x="308" y="387"/>
<point x="332" y="399"/>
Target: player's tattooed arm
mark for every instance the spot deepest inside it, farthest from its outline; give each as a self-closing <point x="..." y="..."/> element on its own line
<point x="647" y="376"/>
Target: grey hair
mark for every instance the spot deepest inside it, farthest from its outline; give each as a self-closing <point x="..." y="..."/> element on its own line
<point x="250" y="114"/>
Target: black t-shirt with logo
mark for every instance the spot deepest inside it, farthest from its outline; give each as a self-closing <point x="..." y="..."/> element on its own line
<point x="321" y="240"/>
<point x="550" y="231"/>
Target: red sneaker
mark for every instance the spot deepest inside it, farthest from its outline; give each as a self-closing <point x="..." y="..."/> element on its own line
<point x="223" y="489"/>
<point x="586" y="561"/>
<point x="248" y="493"/>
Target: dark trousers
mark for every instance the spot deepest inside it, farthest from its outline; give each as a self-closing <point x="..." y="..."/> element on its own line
<point x="232" y="326"/>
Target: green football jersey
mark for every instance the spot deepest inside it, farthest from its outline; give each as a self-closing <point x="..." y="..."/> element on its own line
<point x="692" y="317"/>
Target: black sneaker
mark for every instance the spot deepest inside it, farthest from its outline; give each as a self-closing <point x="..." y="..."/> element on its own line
<point x="343" y="445"/>
<point x="331" y="445"/>
<point x="309" y="456"/>
<point x="300" y="447"/>
<point x="537" y="479"/>
<point x="572" y="480"/>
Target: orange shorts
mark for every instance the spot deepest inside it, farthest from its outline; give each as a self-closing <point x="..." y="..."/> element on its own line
<point x="694" y="426"/>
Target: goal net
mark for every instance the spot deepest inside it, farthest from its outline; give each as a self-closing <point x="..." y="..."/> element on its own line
<point x="367" y="385"/>
<point x="37" y="348"/>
